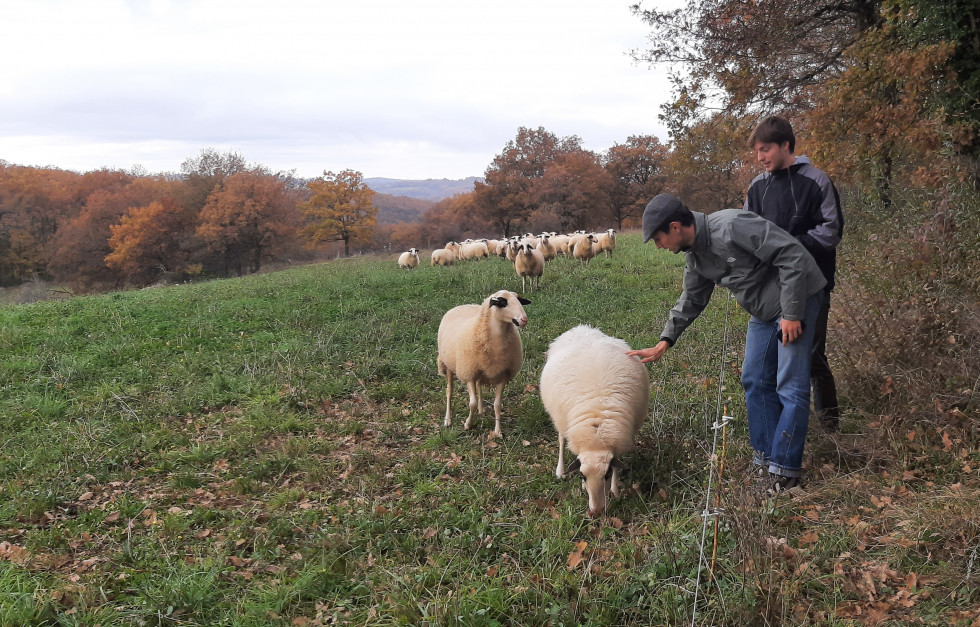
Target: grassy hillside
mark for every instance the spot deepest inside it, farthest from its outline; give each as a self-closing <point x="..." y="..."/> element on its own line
<point x="269" y="450"/>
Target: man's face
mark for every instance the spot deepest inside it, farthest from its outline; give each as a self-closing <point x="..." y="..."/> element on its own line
<point x="672" y="239"/>
<point x="774" y="156"/>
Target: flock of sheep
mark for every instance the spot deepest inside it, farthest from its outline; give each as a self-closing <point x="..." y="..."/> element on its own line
<point x="528" y="252"/>
<point x="596" y="395"/>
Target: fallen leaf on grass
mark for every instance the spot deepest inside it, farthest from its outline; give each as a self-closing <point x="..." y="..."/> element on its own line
<point x="575" y="557"/>
<point x="111" y="518"/>
<point x="810" y="537"/>
<point x="86" y="497"/>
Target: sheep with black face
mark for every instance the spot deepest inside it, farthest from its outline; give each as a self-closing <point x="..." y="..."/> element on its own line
<point x="481" y="345"/>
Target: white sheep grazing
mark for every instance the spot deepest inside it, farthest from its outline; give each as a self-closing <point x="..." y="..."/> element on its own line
<point x="442" y="257"/>
<point x="560" y="242"/>
<point x="583" y="249"/>
<point x="529" y="262"/>
<point x="409" y="259"/>
<point x="480" y="345"/>
<point x="597" y="398"/>
<point x="607" y="242"/>
<point x="474" y="250"/>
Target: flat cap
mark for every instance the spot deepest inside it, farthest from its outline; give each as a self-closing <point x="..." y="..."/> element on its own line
<point x="658" y="210"/>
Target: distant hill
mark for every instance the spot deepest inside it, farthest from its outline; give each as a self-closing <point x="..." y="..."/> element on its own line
<point x="429" y="189"/>
<point x="394" y="209"/>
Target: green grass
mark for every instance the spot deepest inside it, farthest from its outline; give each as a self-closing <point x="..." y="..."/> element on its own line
<point x="269" y="450"/>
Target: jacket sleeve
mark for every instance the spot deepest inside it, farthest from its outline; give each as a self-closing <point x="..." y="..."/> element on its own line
<point x="826" y="233"/>
<point x="794" y="265"/>
<point x="690" y="304"/>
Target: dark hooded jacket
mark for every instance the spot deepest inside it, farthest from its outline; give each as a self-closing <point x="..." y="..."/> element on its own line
<point x="803" y="201"/>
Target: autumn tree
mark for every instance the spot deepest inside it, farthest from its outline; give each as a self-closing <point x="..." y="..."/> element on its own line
<point x="636" y="168"/>
<point x="710" y="167"/>
<point x="153" y="241"/>
<point x="742" y="56"/>
<point x="506" y="198"/>
<point x="34" y="202"/>
<point x="247" y="217"/>
<point x="575" y="190"/>
<point x="77" y="253"/>
<point x="340" y="208"/>
<point x="204" y="173"/>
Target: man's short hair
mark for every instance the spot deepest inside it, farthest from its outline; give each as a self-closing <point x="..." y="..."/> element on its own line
<point x="661" y="211"/>
<point x="774" y="129"/>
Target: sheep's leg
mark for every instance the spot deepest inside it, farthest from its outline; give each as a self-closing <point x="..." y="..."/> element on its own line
<point x="449" y="393"/>
<point x="560" y="470"/>
<point x="496" y="408"/>
<point x="614" y="488"/>
<point x="474" y="391"/>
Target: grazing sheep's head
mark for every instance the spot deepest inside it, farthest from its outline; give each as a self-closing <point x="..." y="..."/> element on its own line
<point x="509" y="306"/>
<point x="597" y="471"/>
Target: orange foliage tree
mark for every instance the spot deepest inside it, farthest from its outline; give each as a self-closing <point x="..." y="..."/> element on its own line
<point x="636" y="168"/>
<point x="507" y="199"/>
<point x="33" y="203"/>
<point x="710" y="167"/>
<point x="574" y="191"/>
<point x="249" y="216"/>
<point x="152" y="242"/>
<point x="339" y="209"/>
<point x="77" y="254"/>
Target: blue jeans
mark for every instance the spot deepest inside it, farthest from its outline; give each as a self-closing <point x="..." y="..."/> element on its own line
<point x="776" y="380"/>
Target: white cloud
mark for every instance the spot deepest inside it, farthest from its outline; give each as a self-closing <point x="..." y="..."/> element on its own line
<point x="421" y="89"/>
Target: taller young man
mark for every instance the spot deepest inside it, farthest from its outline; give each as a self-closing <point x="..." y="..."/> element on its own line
<point x="803" y="201"/>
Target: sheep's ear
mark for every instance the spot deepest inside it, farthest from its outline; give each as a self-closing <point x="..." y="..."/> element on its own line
<point x="575" y="465"/>
<point x="498" y="301"/>
<point x="523" y="300"/>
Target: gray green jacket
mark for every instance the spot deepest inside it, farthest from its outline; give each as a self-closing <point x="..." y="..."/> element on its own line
<point x="768" y="271"/>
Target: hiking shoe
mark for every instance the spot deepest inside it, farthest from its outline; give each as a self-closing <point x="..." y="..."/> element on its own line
<point x="783" y="484"/>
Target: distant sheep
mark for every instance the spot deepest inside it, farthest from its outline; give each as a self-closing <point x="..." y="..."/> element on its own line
<point x="583" y="249"/>
<point x="454" y="247"/>
<point x="547" y="249"/>
<point x="607" y="242"/>
<point x="529" y="263"/>
<point x="560" y="242"/>
<point x="481" y="345"/>
<point x="409" y="259"/>
<point x="443" y="257"/>
<point x="474" y="250"/>
<point x="597" y="398"/>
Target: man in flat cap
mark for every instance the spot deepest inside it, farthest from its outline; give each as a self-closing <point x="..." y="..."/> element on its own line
<point x="775" y="279"/>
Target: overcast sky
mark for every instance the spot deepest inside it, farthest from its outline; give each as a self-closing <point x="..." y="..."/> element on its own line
<point x="410" y="89"/>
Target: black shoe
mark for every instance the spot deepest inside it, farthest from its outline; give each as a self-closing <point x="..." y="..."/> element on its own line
<point x="783" y="484"/>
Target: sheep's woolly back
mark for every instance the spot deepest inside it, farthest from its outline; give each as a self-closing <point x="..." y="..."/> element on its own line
<point x="596" y="395"/>
<point x="442" y="257"/>
<point x="481" y="343"/>
<point x="474" y="250"/>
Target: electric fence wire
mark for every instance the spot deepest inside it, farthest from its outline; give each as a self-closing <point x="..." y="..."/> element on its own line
<point x="720" y="422"/>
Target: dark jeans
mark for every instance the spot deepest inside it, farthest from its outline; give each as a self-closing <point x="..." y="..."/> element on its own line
<point x="821" y="378"/>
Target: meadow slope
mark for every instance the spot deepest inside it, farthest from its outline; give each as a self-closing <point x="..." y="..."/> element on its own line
<point x="269" y="450"/>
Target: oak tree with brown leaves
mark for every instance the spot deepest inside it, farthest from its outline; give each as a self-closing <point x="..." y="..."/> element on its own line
<point x="339" y="209"/>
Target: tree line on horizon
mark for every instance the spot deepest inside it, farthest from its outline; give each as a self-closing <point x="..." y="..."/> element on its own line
<point x="221" y="216"/>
